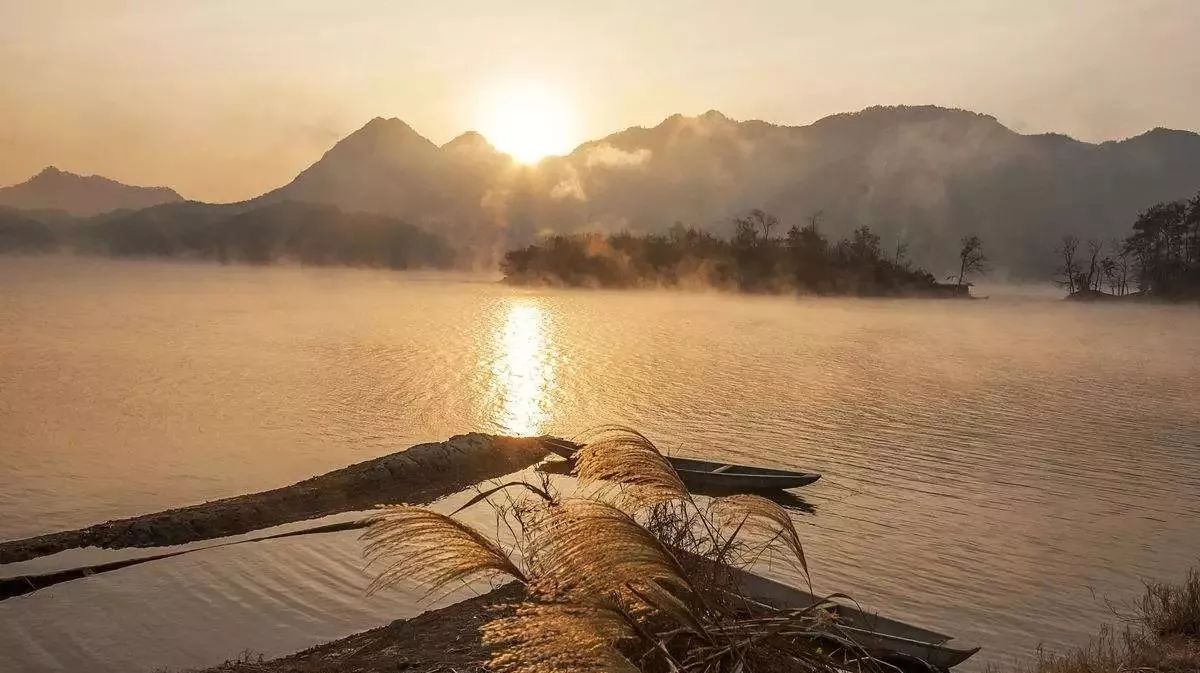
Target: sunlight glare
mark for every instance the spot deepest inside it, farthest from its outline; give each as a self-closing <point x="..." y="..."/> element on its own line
<point x="524" y="372"/>
<point x="528" y="122"/>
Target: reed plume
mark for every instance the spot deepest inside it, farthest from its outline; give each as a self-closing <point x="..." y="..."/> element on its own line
<point x="624" y="456"/>
<point x="557" y="637"/>
<point x="758" y="515"/>
<point x="587" y="549"/>
<point x="605" y="589"/>
<point x="431" y="550"/>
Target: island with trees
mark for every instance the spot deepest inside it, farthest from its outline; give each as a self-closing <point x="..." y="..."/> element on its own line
<point x="1161" y="258"/>
<point x="755" y="259"/>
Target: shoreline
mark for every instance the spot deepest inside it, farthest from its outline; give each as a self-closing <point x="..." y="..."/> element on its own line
<point x="417" y="475"/>
<point x="941" y="291"/>
<point x="437" y="639"/>
<point x="403" y="645"/>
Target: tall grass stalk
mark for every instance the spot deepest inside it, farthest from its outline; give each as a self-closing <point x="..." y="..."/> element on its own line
<point x="633" y="577"/>
<point x="1160" y="635"/>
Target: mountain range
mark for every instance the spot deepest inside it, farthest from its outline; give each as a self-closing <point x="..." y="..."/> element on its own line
<point x="81" y="195"/>
<point x="924" y="176"/>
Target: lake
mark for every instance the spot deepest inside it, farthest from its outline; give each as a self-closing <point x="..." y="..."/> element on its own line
<point x="994" y="469"/>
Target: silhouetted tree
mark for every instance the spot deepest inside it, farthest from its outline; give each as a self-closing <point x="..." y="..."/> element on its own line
<point x="1069" y="270"/>
<point x="901" y="257"/>
<point x="757" y="253"/>
<point x="1160" y="244"/>
<point x="1191" y="221"/>
<point x="971" y="258"/>
<point x="1124" y="265"/>
<point x="1162" y="253"/>
<point x="809" y="253"/>
<point x="1108" y="270"/>
<point x="864" y="245"/>
<point x="1093" y="277"/>
<point x="751" y="260"/>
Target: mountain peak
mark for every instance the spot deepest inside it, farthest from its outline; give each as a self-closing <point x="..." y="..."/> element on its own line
<point x="1160" y="138"/>
<point x="906" y="113"/>
<point x="711" y="116"/>
<point x="386" y="136"/>
<point x="387" y="126"/>
<point x="386" y="123"/>
<point x="1164" y="132"/>
<point x="469" y="140"/>
<point x="81" y="195"/>
<point x="927" y="172"/>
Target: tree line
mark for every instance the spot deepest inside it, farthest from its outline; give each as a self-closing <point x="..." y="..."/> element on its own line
<point x="758" y="257"/>
<point x="291" y="231"/>
<point x="1161" y="257"/>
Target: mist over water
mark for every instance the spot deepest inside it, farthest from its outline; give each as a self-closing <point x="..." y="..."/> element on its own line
<point x="987" y="465"/>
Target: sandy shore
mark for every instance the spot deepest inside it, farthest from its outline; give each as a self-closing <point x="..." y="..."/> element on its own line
<point x="416" y="475"/>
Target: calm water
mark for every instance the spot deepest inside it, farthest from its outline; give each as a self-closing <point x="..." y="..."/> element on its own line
<point x="988" y="465"/>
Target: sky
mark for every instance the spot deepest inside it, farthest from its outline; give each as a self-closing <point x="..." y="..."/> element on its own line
<point x="224" y="100"/>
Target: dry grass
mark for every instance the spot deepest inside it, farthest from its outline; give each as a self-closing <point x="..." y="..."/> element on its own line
<point x="427" y="550"/>
<point x="606" y="590"/>
<point x="757" y="515"/>
<point x="553" y="637"/>
<point x="1169" y="611"/>
<point x="625" y="458"/>
<point x="1161" y="636"/>
<point x="568" y="563"/>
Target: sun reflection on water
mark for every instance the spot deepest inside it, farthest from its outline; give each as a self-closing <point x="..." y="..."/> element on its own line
<point x="524" y="371"/>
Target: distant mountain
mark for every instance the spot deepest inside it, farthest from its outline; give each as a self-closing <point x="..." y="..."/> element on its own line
<point x="21" y="233"/>
<point x="388" y="168"/>
<point x="922" y="175"/>
<point x="79" y="195"/>
<point x="307" y="233"/>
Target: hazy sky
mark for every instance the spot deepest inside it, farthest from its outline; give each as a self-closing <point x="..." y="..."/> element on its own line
<point x="225" y="99"/>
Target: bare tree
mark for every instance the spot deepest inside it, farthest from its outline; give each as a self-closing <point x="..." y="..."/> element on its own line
<point x="764" y="221"/>
<point x="971" y="258"/>
<point x="1108" y="269"/>
<point x="1094" y="272"/>
<point x="1069" y="270"/>
<point x="901" y="259"/>
<point x="1117" y="268"/>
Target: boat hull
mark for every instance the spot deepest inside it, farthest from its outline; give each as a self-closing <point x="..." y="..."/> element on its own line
<point x="887" y="639"/>
<point x="704" y="474"/>
<point x="745" y="482"/>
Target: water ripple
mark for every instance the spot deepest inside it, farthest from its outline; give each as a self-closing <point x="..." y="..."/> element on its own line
<point x="986" y="465"/>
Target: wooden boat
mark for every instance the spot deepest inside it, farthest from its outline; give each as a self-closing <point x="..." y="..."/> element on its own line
<point x="704" y="474"/>
<point x="707" y="474"/>
<point x="905" y="645"/>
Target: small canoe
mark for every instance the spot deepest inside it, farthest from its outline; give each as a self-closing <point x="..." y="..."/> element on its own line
<point x="704" y="474"/>
<point x="887" y="639"/>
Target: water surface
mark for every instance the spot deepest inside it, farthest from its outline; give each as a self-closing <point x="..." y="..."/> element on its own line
<point x="988" y="465"/>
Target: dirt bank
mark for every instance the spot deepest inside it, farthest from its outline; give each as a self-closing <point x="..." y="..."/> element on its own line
<point x="437" y="641"/>
<point x="417" y="475"/>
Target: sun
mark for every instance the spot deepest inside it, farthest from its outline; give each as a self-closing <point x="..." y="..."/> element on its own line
<point x="527" y="121"/>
